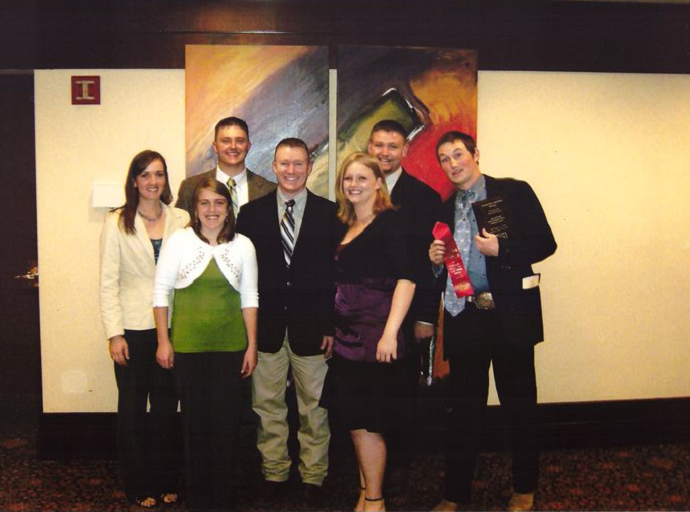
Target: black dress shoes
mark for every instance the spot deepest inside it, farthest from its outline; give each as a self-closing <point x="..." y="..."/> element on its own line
<point x="311" y="496"/>
<point x="271" y="492"/>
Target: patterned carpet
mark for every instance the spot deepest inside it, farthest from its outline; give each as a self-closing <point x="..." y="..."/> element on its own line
<point x="633" y="478"/>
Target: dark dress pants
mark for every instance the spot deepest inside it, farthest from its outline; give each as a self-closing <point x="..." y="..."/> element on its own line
<point x="147" y="443"/>
<point x="211" y="390"/>
<point x="514" y="375"/>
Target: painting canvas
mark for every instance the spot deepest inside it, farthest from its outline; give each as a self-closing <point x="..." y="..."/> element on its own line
<point x="428" y="90"/>
<point x="281" y="91"/>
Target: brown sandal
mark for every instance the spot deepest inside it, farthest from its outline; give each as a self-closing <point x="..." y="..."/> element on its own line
<point x="169" y="498"/>
<point x="146" y="502"/>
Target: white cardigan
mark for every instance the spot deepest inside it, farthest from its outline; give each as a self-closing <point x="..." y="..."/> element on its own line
<point x="127" y="271"/>
<point x="185" y="257"/>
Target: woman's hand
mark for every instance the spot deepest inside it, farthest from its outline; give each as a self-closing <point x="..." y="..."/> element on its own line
<point x="250" y="317"/>
<point x="165" y="355"/>
<point x="249" y="363"/>
<point x="119" y="350"/>
<point x="437" y="250"/>
<point x="387" y="349"/>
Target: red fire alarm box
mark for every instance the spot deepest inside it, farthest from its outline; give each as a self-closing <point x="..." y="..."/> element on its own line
<point x="86" y="90"/>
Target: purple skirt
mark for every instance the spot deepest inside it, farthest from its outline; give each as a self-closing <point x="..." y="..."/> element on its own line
<point x="362" y="310"/>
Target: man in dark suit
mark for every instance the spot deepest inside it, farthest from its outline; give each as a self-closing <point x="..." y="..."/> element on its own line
<point x="295" y="234"/>
<point x="419" y="205"/>
<point x="499" y="324"/>
<point x="231" y="144"/>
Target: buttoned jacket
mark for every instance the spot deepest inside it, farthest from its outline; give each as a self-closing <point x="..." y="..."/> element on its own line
<point x="530" y="240"/>
<point x="419" y="206"/>
<point x="298" y="298"/>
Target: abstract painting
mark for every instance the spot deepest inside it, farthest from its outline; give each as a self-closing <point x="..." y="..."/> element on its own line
<point x="428" y="90"/>
<point x="280" y="91"/>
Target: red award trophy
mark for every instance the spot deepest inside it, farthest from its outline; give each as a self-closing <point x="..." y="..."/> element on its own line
<point x="456" y="268"/>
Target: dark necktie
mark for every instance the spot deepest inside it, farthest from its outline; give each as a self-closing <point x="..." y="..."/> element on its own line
<point x="287" y="231"/>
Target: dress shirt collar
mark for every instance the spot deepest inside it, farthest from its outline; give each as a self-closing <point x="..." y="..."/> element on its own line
<point x="240" y="179"/>
<point x="479" y="189"/>
<point x="300" y="200"/>
<point x="297" y="210"/>
<point x="392" y="178"/>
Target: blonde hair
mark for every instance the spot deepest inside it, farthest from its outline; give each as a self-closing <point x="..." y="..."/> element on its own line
<point x="346" y="212"/>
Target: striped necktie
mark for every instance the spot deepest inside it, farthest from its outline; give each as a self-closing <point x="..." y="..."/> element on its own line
<point x="232" y="186"/>
<point x="287" y="231"/>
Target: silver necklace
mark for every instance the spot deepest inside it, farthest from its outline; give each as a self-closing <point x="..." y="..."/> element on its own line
<point x="151" y="219"/>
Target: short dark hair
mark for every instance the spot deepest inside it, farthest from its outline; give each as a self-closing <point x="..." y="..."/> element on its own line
<point x="212" y="184"/>
<point x="129" y="210"/>
<point x="231" y="121"/>
<point x="389" y="125"/>
<point x="452" y="136"/>
<point x="292" y="142"/>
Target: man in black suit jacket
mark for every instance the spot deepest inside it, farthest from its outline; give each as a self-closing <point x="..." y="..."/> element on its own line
<point x="296" y="318"/>
<point x="231" y="144"/>
<point x="419" y="205"/>
<point x="499" y="324"/>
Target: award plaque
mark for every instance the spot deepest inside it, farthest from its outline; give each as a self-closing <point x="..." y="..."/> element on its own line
<point x="492" y="214"/>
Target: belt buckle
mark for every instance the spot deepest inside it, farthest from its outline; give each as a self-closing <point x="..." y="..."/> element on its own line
<point x="484" y="300"/>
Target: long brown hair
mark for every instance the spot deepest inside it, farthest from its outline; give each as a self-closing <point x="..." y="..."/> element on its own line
<point x="228" y="231"/>
<point x="129" y="210"/>
<point x="346" y="212"/>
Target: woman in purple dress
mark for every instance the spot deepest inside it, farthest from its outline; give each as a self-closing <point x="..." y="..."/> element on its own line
<point x="374" y="292"/>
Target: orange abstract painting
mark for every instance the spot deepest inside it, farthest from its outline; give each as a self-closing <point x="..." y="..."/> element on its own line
<point x="428" y="90"/>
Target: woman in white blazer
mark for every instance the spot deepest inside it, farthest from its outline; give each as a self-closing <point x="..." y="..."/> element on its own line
<point x="130" y="243"/>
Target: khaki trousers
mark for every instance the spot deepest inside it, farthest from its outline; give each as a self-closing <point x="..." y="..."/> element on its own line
<point x="268" y="401"/>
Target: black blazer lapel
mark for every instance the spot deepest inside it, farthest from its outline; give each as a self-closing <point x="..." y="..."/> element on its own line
<point x="494" y="187"/>
<point x="270" y="218"/>
<point x="401" y="189"/>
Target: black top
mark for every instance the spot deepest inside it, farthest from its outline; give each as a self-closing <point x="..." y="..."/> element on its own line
<point x="380" y="251"/>
<point x="157" y="244"/>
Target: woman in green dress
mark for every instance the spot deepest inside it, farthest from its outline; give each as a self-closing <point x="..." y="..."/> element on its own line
<point x="212" y="343"/>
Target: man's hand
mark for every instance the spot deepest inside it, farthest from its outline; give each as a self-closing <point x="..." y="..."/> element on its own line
<point x="327" y="346"/>
<point x="486" y="243"/>
<point x="423" y="331"/>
